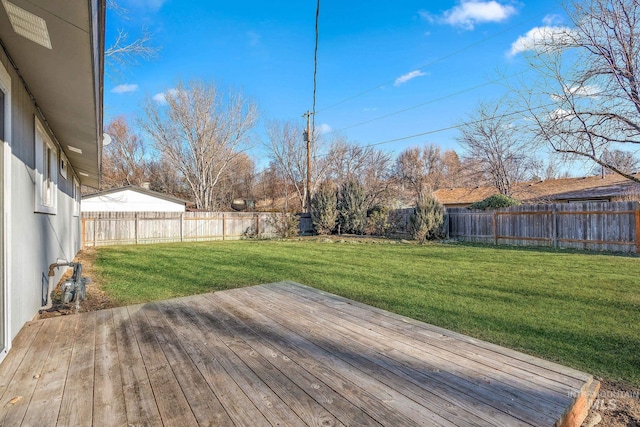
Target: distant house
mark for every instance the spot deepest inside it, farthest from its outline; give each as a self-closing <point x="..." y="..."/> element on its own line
<point x="51" y="91"/>
<point x="628" y="190"/>
<point x="612" y="187"/>
<point x="132" y="199"/>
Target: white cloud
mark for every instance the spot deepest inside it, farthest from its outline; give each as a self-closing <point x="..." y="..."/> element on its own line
<point x="468" y="13"/>
<point x="161" y="98"/>
<point x="592" y="91"/>
<point x="552" y="20"/>
<point x="428" y="16"/>
<point x="324" y="128"/>
<point x="409" y="76"/>
<point x="560" y="115"/>
<point x="580" y="91"/>
<point x="125" y="88"/>
<point x="541" y="38"/>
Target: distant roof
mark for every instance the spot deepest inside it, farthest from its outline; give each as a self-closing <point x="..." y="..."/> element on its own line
<point x="628" y="188"/>
<point x="138" y="190"/>
<point x="552" y="189"/>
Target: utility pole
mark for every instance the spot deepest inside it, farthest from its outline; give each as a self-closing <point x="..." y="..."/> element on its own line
<point x="307" y="138"/>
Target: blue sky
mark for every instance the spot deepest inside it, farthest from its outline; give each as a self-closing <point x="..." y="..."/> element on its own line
<point x="386" y="70"/>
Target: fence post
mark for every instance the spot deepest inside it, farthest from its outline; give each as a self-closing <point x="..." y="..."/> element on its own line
<point x="257" y="225"/>
<point x="637" y="229"/>
<point x="447" y="223"/>
<point x="181" y="226"/>
<point x="224" y="226"/>
<point x="135" y="229"/>
<point x="94" y="232"/>
<point x="84" y="230"/>
<point x="554" y="226"/>
<point x="495" y="228"/>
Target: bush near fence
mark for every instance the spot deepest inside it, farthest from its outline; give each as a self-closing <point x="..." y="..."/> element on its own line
<point x="126" y="228"/>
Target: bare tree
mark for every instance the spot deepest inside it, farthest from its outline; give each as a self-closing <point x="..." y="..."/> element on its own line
<point x="237" y="181"/>
<point x="123" y="161"/>
<point x="127" y="51"/>
<point x="273" y="190"/>
<point x="624" y="161"/>
<point x="420" y="169"/>
<point x="492" y="142"/>
<point x="366" y="165"/>
<point x="288" y="153"/>
<point x="200" y="131"/>
<point x="164" y="178"/>
<point x="585" y="101"/>
<point x="453" y="169"/>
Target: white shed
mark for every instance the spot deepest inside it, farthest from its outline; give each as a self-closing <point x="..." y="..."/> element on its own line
<point x="132" y="199"/>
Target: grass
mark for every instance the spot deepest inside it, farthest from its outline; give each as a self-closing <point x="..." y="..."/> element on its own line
<point x="578" y="309"/>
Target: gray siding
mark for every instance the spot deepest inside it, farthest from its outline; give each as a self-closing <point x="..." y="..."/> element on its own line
<point x="37" y="240"/>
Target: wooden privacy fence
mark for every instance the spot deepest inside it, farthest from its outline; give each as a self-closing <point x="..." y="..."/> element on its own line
<point x="591" y="226"/>
<point x="125" y="228"/>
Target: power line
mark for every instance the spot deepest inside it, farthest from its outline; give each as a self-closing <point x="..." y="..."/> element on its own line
<point x="431" y="101"/>
<point x="457" y="126"/>
<point x="431" y="63"/>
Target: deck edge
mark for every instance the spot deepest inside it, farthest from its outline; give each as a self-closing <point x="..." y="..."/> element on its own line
<point x="579" y="410"/>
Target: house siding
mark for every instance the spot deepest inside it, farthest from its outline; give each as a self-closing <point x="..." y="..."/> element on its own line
<point x="36" y="240"/>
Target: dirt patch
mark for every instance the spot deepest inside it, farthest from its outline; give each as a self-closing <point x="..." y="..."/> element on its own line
<point x="97" y="299"/>
<point x="617" y="405"/>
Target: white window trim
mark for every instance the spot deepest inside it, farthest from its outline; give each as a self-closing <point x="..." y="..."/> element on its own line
<point x="76" y="197"/>
<point x="5" y="187"/>
<point x="46" y="190"/>
<point x="5" y="85"/>
<point x="64" y="166"/>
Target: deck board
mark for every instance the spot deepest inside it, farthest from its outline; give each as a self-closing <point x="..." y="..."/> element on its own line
<point x="203" y="402"/>
<point x="108" y="403"/>
<point x="236" y="404"/>
<point x="47" y="396"/>
<point x="17" y="396"/>
<point x="487" y="382"/>
<point x="278" y="354"/>
<point x="140" y="405"/>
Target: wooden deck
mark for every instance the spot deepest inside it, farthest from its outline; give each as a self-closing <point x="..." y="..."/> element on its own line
<point x="280" y="354"/>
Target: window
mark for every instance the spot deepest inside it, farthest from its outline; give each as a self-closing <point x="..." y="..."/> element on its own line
<point x="46" y="172"/>
<point x="76" y="197"/>
<point x="64" y="165"/>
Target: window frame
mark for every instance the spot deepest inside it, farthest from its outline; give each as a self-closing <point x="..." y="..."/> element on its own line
<point x="77" y="196"/>
<point x="46" y="171"/>
<point x="3" y="97"/>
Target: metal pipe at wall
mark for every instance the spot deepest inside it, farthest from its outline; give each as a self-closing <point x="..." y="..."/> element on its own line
<point x="51" y="284"/>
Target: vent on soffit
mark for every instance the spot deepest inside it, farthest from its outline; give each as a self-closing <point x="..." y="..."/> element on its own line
<point x="28" y="25"/>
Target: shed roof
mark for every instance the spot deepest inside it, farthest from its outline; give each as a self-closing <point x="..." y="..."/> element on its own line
<point x="138" y="190"/>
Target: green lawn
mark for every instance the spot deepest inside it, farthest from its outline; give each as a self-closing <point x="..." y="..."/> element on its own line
<point x="579" y="309"/>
